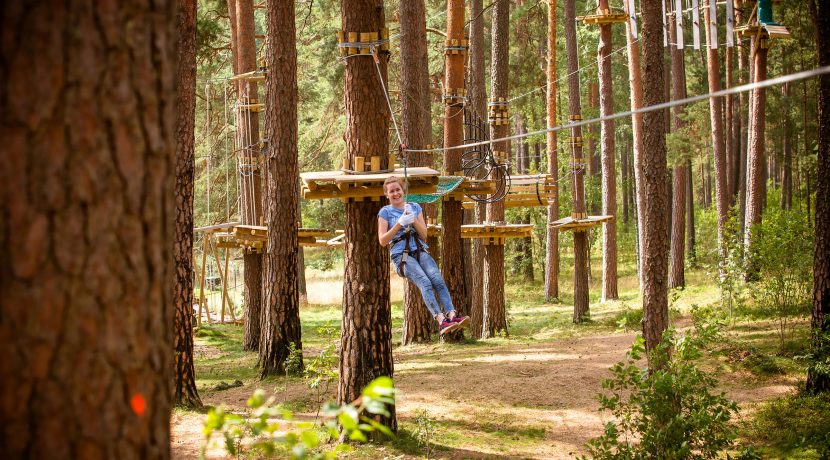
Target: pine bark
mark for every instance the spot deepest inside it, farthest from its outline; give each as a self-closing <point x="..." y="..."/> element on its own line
<point x="250" y="179"/>
<point x="579" y="210"/>
<point x="690" y="212"/>
<point x="552" y="234"/>
<point x="281" y="302"/>
<point x="677" y="260"/>
<point x="185" y="392"/>
<point x="786" y="147"/>
<point x="820" y="323"/>
<point x="87" y="229"/>
<point x="719" y="150"/>
<point x="755" y="155"/>
<point x="494" y="318"/>
<point x="477" y="103"/>
<point x="636" y="96"/>
<point x="416" y="132"/>
<point x="366" y="332"/>
<point x="609" y="167"/>
<point x="451" y="211"/>
<point x="652" y="167"/>
<point x="729" y="127"/>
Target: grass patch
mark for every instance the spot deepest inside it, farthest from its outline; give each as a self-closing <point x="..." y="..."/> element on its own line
<point x="796" y="426"/>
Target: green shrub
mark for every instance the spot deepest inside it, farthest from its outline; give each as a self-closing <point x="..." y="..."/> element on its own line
<point x="259" y="436"/>
<point x="668" y="413"/>
<point x="799" y="422"/>
<point x="782" y="251"/>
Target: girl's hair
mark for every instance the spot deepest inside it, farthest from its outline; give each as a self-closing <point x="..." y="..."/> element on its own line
<point x="391" y="179"/>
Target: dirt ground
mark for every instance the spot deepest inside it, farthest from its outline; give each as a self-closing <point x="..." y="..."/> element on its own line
<point x="549" y="387"/>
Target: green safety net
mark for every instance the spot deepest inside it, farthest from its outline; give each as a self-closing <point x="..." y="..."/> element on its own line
<point x="446" y="184"/>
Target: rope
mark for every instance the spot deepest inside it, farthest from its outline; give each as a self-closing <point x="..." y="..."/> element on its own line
<point x="665" y="105"/>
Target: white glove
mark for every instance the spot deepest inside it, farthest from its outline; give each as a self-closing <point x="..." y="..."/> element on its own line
<point x="407" y="209"/>
<point x="406" y="219"/>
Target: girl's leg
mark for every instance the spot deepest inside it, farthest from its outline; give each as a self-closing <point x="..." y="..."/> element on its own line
<point x="413" y="272"/>
<point x="430" y="268"/>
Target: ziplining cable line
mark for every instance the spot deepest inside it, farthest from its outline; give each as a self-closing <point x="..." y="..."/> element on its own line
<point x="797" y="76"/>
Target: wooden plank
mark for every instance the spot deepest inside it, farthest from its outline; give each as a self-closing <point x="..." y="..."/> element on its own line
<point x="730" y="24"/>
<point x="713" y="25"/>
<point x="216" y="227"/>
<point x="696" y="24"/>
<point x="678" y="21"/>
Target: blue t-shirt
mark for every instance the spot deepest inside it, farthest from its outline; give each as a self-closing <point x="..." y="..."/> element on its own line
<point x="391" y="214"/>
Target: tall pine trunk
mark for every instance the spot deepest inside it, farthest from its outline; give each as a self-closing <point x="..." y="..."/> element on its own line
<point x="677" y="277"/>
<point x="552" y="234"/>
<point x="281" y="303"/>
<point x="652" y="167"/>
<point x="477" y="104"/>
<point x="185" y="392"/>
<point x="366" y="332"/>
<point x="609" y="166"/>
<point x="417" y="134"/>
<point x="755" y="155"/>
<point x="87" y="186"/>
<point x="816" y="381"/>
<point x="247" y="145"/>
<point x="494" y="319"/>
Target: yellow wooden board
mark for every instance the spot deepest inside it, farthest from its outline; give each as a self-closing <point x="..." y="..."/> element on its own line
<point x="569" y="223"/>
<point x="496" y="231"/>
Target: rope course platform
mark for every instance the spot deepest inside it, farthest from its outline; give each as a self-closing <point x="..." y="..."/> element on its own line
<point x="252" y="238"/>
<point x="526" y="191"/>
<point x="582" y="224"/>
<point x="338" y="184"/>
<point x="496" y="233"/>
<point x="769" y="31"/>
<point x="252" y="76"/>
<point x="603" y="16"/>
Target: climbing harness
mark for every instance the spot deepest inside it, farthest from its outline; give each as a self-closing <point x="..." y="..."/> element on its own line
<point x="408" y="235"/>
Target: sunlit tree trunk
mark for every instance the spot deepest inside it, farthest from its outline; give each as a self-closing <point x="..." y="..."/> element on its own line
<point x="652" y="167"/>
<point x="366" y="333"/>
<point x="281" y="302"/>
<point x="755" y="155"/>
<point x="677" y="260"/>
<point x="786" y="145"/>
<point x="417" y="134"/>
<point x="609" y="167"/>
<point x="185" y="392"/>
<point x="579" y="210"/>
<point x="820" y="382"/>
<point x="87" y="229"/>
<point x="552" y="234"/>
<point x="452" y="260"/>
<point x="495" y="317"/>
<point x="249" y="154"/>
<point x="477" y="104"/>
<point x="718" y="138"/>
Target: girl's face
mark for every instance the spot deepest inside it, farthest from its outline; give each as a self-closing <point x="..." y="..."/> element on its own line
<point x="394" y="193"/>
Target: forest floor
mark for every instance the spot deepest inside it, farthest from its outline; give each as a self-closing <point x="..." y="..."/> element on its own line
<point x="532" y="394"/>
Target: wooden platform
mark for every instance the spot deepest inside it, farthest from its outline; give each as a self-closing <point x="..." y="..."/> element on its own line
<point x="770" y="31"/>
<point x="603" y="17"/>
<point x="471" y="187"/>
<point x="496" y="233"/>
<point x="337" y="184"/>
<point x="579" y="225"/>
<point x="252" y="238"/>
<point x="526" y="191"/>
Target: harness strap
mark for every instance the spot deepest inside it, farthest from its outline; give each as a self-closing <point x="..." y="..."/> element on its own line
<point x="419" y="246"/>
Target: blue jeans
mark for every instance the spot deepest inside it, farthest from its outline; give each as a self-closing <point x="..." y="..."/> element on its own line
<point x="426" y="275"/>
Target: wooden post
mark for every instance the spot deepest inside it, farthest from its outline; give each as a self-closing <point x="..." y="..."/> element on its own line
<point x="202" y="299"/>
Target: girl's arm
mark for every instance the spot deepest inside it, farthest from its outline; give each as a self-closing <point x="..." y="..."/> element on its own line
<point x="386" y="234"/>
<point x="421" y="226"/>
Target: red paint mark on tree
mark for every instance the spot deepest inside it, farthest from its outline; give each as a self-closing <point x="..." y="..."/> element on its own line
<point x="138" y="404"/>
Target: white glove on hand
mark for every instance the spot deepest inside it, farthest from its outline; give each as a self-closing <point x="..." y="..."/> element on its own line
<point x="407" y="209"/>
<point x="406" y="219"/>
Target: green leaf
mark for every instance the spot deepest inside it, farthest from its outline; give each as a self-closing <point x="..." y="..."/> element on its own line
<point x="257" y="399"/>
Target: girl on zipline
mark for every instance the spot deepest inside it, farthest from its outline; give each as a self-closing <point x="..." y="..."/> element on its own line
<point x="402" y="224"/>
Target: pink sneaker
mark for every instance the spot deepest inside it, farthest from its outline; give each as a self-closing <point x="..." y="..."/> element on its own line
<point x="447" y="326"/>
<point x="461" y="321"/>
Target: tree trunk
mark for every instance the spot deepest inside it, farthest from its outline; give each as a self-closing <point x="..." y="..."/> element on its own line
<point x="609" y="167"/>
<point x="417" y="134"/>
<point x="820" y="382"/>
<point x="452" y="266"/>
<point x="185" y="393"/>
<point x="625" y="183"/>
<point x="579" y="211"/>
<point x="366" y="333"/>
<point x="690" y="212"/>
<point x="787" y="146"/>
<point x="494" y="318"/>
<point x="636" y="95"/>
<point x="652" y="167"/>
<point x="247" y="144"/>
<point x="87" y="186"/>
<point x="281" y="304"/>
<point x="677" y="278"/>
<point x="719" y="151"/>
<point x="552" y="234"/>
<point x="729" y="119"/>
<point x="477" y="103"/>
<point x="755" y="156"/>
